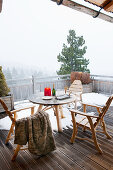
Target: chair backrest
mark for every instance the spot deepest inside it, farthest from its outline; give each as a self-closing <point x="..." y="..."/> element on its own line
<point x="104" y="109"/>
<point x="76" y="86"/>
<point x="6" y="110"/>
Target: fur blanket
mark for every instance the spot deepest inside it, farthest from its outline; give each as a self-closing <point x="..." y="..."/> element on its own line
<point x="36" y="130"/>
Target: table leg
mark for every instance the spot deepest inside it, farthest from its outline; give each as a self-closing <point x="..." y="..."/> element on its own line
<point x="40" y="107"/>
<point x="61" y="112"/>
<point x="58" y="118"/>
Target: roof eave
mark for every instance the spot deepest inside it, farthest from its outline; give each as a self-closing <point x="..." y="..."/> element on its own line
<point x="85" y="9"/>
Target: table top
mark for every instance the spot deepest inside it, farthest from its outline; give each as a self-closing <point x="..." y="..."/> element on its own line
<point x="53" y="101"/>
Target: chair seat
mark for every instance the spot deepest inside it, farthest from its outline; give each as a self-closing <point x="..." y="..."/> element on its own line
<point x="83" y="121"/>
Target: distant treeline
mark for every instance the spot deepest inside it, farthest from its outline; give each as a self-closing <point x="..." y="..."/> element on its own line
<point x="20" y="73"/>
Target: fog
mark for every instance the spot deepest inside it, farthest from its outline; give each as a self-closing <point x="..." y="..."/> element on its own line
<point x="32" y="34"/>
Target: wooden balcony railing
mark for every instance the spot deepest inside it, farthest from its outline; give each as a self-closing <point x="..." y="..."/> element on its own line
<point x="22" y="89"/>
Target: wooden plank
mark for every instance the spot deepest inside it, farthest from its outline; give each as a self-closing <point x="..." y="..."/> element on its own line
<point x="76" y="86"/>
<point x="80" y="155"/>
<point x="99" y="2"/>
<point x="106" y="145"/>
<point x="65" y="158"/>
<point x="24" y="160"/>
<point x="106" y="4"/>
<point x="78" y="152"/>
<point x="89" y="150"/>
<point x="86" y="10"/>
<point x="109" y="7"/>
<point x="74" y="89"/>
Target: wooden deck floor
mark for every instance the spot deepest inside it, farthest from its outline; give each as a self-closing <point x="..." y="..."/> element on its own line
<point x="80" y="155"/>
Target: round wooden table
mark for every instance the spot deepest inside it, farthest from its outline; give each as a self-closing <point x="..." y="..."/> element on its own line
<point x="53" y="103"/>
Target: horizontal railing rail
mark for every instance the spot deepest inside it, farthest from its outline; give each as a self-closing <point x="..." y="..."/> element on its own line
<point x="102" y="77"/>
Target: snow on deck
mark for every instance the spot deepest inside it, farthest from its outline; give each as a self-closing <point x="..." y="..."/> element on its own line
<point x="94" y="98"/>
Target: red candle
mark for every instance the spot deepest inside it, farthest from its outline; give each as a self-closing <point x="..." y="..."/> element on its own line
<point x="47" y="91"/>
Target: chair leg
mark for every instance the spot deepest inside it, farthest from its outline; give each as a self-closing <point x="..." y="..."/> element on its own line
<point x="95" y="142"/>
<point x="74" y="128"/>
<point x="32" y="111"/>
<point x="105" y="131"/>
<point x="75" y="105"/>
<point x="11" y="131"/>
<point x="94" y="135"/>
<point x="69" y="105"/>
<point x="54" y="111"/>
<point x="84" y="129"/>
<point x="16" y="152"/>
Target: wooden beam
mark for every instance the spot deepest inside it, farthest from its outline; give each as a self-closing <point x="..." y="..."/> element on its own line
<point x="109" y="7"/>
<point x="0" y="5"/>
<point x="86" y="10"/>
<point x="105" y="3"/>
<point x="100" y="3"/>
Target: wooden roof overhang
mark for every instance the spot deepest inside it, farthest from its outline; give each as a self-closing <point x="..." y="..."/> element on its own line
<point x="106" y="5"/>
<point x="0" y="5"/>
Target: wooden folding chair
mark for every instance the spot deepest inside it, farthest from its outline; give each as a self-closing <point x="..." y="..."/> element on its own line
<point x="76" y="89"/>
<point x="90" y="121"/>
<point x="13" y="116"/>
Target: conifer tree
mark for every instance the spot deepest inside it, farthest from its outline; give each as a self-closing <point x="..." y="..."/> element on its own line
<point x="4" y="90"/>
<point x="72" y="55"/>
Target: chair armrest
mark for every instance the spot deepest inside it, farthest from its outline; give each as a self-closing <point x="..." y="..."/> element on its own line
<point x="82" y="113"/>
<point x="93" y="105"/>
<point x="18" y="110"/>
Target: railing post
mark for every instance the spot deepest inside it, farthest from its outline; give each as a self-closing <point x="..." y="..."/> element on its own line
<point x="33" y="84"/>
<point x="93" y="85"/>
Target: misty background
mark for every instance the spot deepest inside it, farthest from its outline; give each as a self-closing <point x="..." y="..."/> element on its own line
<point x="32" y="34"/>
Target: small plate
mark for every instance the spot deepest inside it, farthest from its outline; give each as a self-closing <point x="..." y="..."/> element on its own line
<point x="47" y="97"/>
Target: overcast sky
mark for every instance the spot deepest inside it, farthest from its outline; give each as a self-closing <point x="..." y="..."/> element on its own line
<point x="32" y="33"/>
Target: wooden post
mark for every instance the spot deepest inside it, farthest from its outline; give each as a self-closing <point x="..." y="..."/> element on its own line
<point x="33" y="84"/>
<point x="12" y="102"/>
